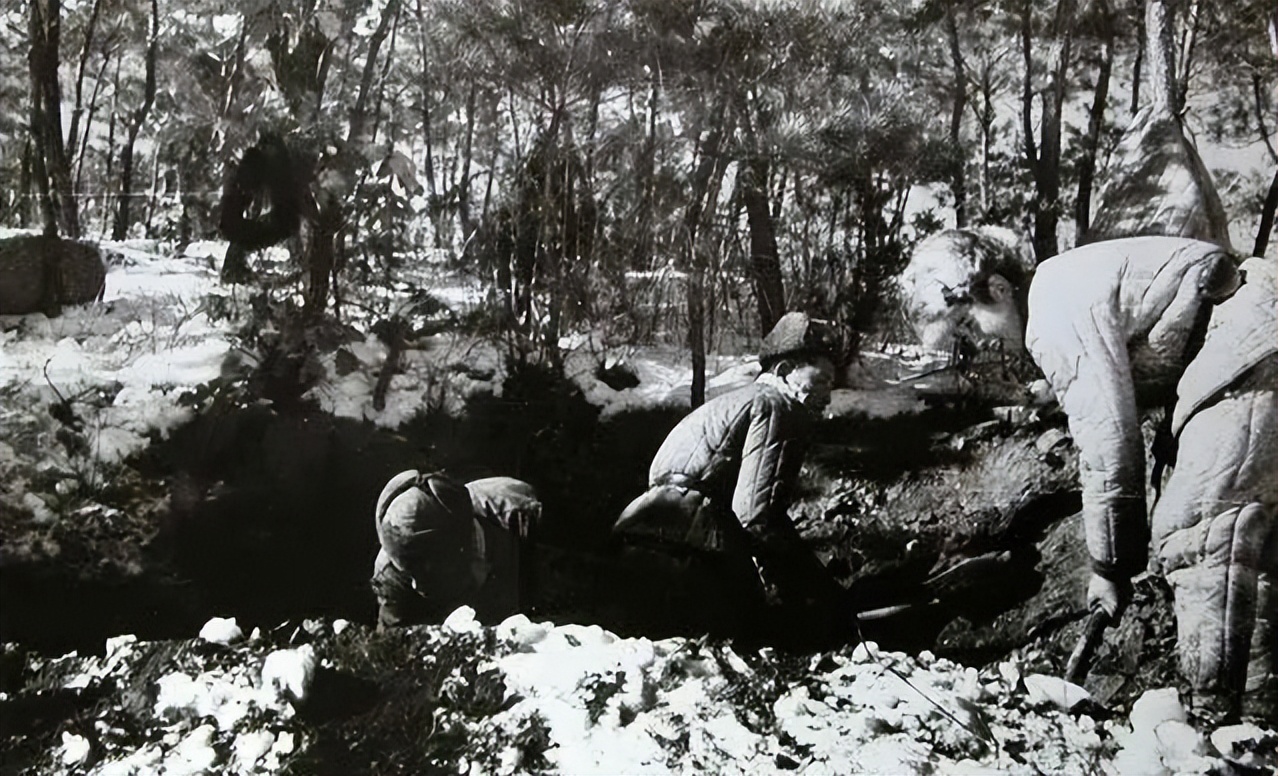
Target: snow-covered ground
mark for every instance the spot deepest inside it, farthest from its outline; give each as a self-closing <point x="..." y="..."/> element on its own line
<point x="166" y="325"/>
<point x="577" y="699"/>
<point x="605" y="704"/>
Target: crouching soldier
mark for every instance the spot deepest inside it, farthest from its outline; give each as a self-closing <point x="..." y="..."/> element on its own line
<point x="713" y="526"/>
<point x="444" y="545"/>
<point x="1137" y="323"/>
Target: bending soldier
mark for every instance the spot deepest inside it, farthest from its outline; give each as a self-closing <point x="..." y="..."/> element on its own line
<point x="444" y="545"/>
<point x="1142" y="322"/>
<point x="715" y="514"/>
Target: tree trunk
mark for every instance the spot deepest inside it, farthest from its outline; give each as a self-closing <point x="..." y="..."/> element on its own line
<point x="109" y="171"/>
<point x="83" y="150"/>
<point x="26" y="181"/>
<point x="1095" y="122"/>
<point x="1262" y="109"/>
<point x="645" y="183"/>
<point x="958" y="182"/>
<point x="1137" y="65"/>
<point x="52" y="167"/>
<point x="986" y="121"/>
<point x="123" y="218"/>
<point x="765" y="261"/>
<point x="1188" y="45"/>
<point x="1266" y="219"/>
<point x="437" y="212"/>
<point x="697" y="333"/>
<point x="320" y="248"/>
<point x="464" y="218"/>
<point x="1044" y="157"/>
<point x="77" y="111"/>
<point x="699" y="201"/>
<point x="44" y="194"/>
<point x="1160" y="42"/>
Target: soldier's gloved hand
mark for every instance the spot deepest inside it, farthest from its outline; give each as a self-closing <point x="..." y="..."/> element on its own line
<point x="1108" y="595"/>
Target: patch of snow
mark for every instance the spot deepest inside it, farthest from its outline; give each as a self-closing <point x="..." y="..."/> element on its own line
<point x="1161" y="741"/>
<point x="249" y="749"/>
<point x="228" y="699"/>
<point x="221" y="630"/>
<point x="194" y="755"/>
<point x="288" y="673"/>
<point x="1054" y="690"/>
<point x="75" y="749"/>
<point x="285" y="744"/>
<point x="462" y="620"/>
<point x="118" y="651"/>
<point x="1155" y="707"/>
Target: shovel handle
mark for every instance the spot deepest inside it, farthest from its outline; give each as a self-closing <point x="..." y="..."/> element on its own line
<point x="1080" y="659"/>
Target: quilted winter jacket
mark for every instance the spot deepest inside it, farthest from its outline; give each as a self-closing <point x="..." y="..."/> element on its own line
<point x="506" y="511"/>
<point x="1227" y="460"/>
<point x="1242" y="333"/>
<point x="1111" y="325"/>
<point x="747" y="445"/>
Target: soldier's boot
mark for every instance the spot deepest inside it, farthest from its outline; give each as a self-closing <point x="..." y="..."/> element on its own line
<point x="1216" y="600"/>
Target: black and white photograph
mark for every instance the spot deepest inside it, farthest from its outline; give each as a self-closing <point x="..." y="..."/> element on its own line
<point x="596" y="387"/>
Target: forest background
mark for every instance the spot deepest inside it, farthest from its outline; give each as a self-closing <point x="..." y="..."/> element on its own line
<point x="646" y="170"/>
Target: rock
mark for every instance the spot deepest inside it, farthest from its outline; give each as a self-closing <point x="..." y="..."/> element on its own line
<point x="1040" y="393"/>
<point x="220" y="630"/>
<point x="618" y="375"/>
<point x="1181" y="744"/>
<point x="865" y="652"/>
<point x="1247" y="745"/>
<point x="518" y="629"/>
<point x="40" y="273"/>
<point x="1155" y="707"/>
<point x="1052" y="689"/>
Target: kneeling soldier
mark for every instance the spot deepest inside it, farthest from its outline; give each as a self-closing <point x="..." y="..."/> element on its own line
<point x="713" y="525"/>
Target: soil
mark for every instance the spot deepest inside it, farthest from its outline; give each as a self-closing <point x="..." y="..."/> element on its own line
<point x="964" y="522"/>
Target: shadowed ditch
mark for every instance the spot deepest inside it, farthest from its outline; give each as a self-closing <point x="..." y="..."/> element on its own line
<point x="269" y="516"/>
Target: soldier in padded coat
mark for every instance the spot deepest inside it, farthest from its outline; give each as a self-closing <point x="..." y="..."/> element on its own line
<point x="1143" y="322"/>
<point x="444" y="545"/>
<point x="719" y="490"/>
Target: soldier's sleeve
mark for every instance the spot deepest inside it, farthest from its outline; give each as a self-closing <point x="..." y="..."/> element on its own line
<point x="510" y="502"/>
<point x="774" y="447"/>
<point x="1082" y="349"/>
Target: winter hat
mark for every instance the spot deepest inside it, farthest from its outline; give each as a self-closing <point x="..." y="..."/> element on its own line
<point x="417" y="511"/>
<point x="797" y="335"/>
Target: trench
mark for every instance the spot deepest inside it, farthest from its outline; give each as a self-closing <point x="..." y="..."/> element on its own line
<point x="269" y="516"/>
